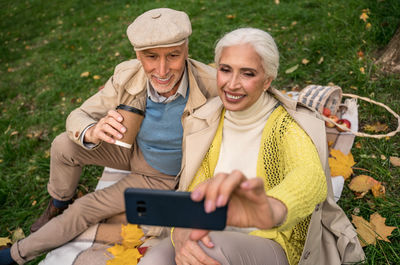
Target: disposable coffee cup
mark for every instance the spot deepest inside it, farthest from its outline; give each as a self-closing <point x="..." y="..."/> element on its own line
<point x="132" y="119"/>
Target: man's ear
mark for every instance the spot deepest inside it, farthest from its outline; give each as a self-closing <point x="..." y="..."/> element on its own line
<point x="137" y="55"/>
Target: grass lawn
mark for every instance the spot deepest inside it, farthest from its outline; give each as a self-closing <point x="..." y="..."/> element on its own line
<point x="45" y="46"/>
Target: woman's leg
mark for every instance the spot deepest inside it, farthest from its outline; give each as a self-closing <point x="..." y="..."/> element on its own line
<point x="235" y="248"/>
<point x="231" y="248"/>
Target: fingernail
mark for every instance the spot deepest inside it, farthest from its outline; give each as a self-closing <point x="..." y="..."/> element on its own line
<point x="123" y="129"/>
<point x="220" y="200"/>
<point x="209" y="207"/>
<point x="119" y="136"/>
<point x="119" y="118"/>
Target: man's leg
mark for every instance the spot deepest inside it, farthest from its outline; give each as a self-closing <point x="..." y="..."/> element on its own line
<point x="67" y="161"/>
<point x="88" y="210"/>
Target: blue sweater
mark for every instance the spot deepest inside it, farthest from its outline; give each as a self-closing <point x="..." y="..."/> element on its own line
<point x="160" y="135"/>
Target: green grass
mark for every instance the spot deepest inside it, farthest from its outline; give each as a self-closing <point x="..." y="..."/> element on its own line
<point x="46" y="45"/>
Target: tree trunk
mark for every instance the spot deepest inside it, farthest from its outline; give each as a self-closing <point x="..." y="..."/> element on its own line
<point x="390" y="58"/>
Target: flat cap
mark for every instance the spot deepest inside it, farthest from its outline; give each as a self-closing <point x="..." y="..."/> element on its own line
<point x="161" y="27"/>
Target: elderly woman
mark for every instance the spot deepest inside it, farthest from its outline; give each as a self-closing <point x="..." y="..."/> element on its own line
<point x="255" y="150"/>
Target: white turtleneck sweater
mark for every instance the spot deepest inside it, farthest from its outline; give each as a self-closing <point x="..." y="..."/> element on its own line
<point x="241" y="137"/>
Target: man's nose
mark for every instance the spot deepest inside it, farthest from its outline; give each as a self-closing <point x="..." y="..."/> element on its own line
<point x="163" y="67"/>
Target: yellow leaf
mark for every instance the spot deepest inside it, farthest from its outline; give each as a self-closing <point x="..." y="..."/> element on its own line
<point x="321" y="60"/>
<point x="368" y="26"/>
<point x="230" y="16"/>
<point x="340" y="164"/>
<point x="305" y="61"/>
<point x="362" y="183"/>
<point x="292" y="69"/>
<point x="116" y="250"/>
<point x="376" y="127"/>
<point x="378" y="190"/>
<point x="277" y="2"/>
<point x="381" y="229"/>
<point x="85" y="74"/>
<point x="369" y="232"/>
<point x="17" y="235"/>
<point x="131" y="235"/>
<point x="395" y="161"/>
<point x="364" y="230"/>
<point x="364" y="17"/>
<point x="362" y="70"/>
<point x="96" y="77"/>
<point x="4" y="241"/>
<point x="127" y="257"/>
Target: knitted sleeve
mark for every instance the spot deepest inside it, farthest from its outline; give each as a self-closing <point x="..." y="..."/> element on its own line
<point x="303" y="184"/>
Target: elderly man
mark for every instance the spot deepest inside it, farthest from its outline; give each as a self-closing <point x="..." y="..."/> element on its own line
<point x="162" y="85"/>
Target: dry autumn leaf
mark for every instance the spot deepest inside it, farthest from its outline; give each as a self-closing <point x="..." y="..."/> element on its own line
<point x="4" y="241"/>
<point x="395" y="161"/>
<point x="128" y="252"/>
<point x="363" y="183"/>
<point x="85" y="74"/>
<point x="364" y="17"/>
<point x="340" y="164"/>
<point x="369" y="232"/>
<point x="96" y="77"/>
<point x="305" y="61"/>
<point x="18" y="234"/>
<point x="292" y="69"/>
<point x="376" y="127"/>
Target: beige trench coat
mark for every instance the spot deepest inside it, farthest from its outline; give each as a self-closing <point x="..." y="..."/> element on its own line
<point x="331" y="238"/>
<point x="128" y="86"/>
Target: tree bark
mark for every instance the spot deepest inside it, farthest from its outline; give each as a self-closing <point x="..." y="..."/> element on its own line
<point x="390" y="58"/>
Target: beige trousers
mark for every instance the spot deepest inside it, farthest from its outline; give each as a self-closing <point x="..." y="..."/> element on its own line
<point x="67" y="160"/>
<point x="230" y="248"/>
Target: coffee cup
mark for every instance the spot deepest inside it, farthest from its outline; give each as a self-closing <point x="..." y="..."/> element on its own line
<point x="132" y="119"/>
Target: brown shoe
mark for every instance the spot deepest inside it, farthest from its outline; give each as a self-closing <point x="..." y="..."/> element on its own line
<point x="50" y="212"/>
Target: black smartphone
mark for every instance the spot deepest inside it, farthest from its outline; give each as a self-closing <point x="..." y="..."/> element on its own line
<point x="170" y="208"/>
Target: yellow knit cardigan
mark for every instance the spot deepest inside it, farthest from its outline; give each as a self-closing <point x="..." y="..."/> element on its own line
<point x="289" y="164"/>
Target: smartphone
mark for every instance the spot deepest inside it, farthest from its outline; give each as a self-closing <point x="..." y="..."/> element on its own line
<point x="170" y="208"/>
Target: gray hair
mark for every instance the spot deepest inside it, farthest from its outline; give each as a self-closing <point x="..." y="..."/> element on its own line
<point x="262" y="42"/>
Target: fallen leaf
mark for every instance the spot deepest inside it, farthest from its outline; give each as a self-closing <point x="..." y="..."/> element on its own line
<point x="305" y="61"/>
<point x="383" y="157"/>
<point x="96" y="77"/>
<point x="378" y="190"/>
<point x="230" y="16"/>
<point x="358" y="145"/>
<point x="369" y="232"/>
<point x="376" y="127"/>
<point x="362" y="183"/>
<point x="277" y="2"/>
<point x="362" y="70"/>
<point x="395" y="161"/>
<point x="34" y="203"/>
<point x="340" y="164"/>
<point x="364" y="17"/>
<point x="368" y="26"/>
<point x="131" y="235"/>
<point x="292" y="69"/>
<point x="4" y="241"/>
<point x="360" y="54"/>
<point x="129" y="251"/>
<point x="85" y="74"/>
<point x="321" y="60"/>
<point x="18" y="234"/>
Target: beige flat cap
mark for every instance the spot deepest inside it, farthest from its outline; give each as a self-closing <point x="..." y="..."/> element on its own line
<point x="161" y="27"/>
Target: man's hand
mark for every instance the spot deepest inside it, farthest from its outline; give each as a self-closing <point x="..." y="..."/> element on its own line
<point x="248" y="204"/>
<point x="107" y="129"/>
<point x="188" y="251"/>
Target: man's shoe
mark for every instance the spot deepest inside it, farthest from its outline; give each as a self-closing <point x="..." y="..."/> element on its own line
<point x="50" y="212"/>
